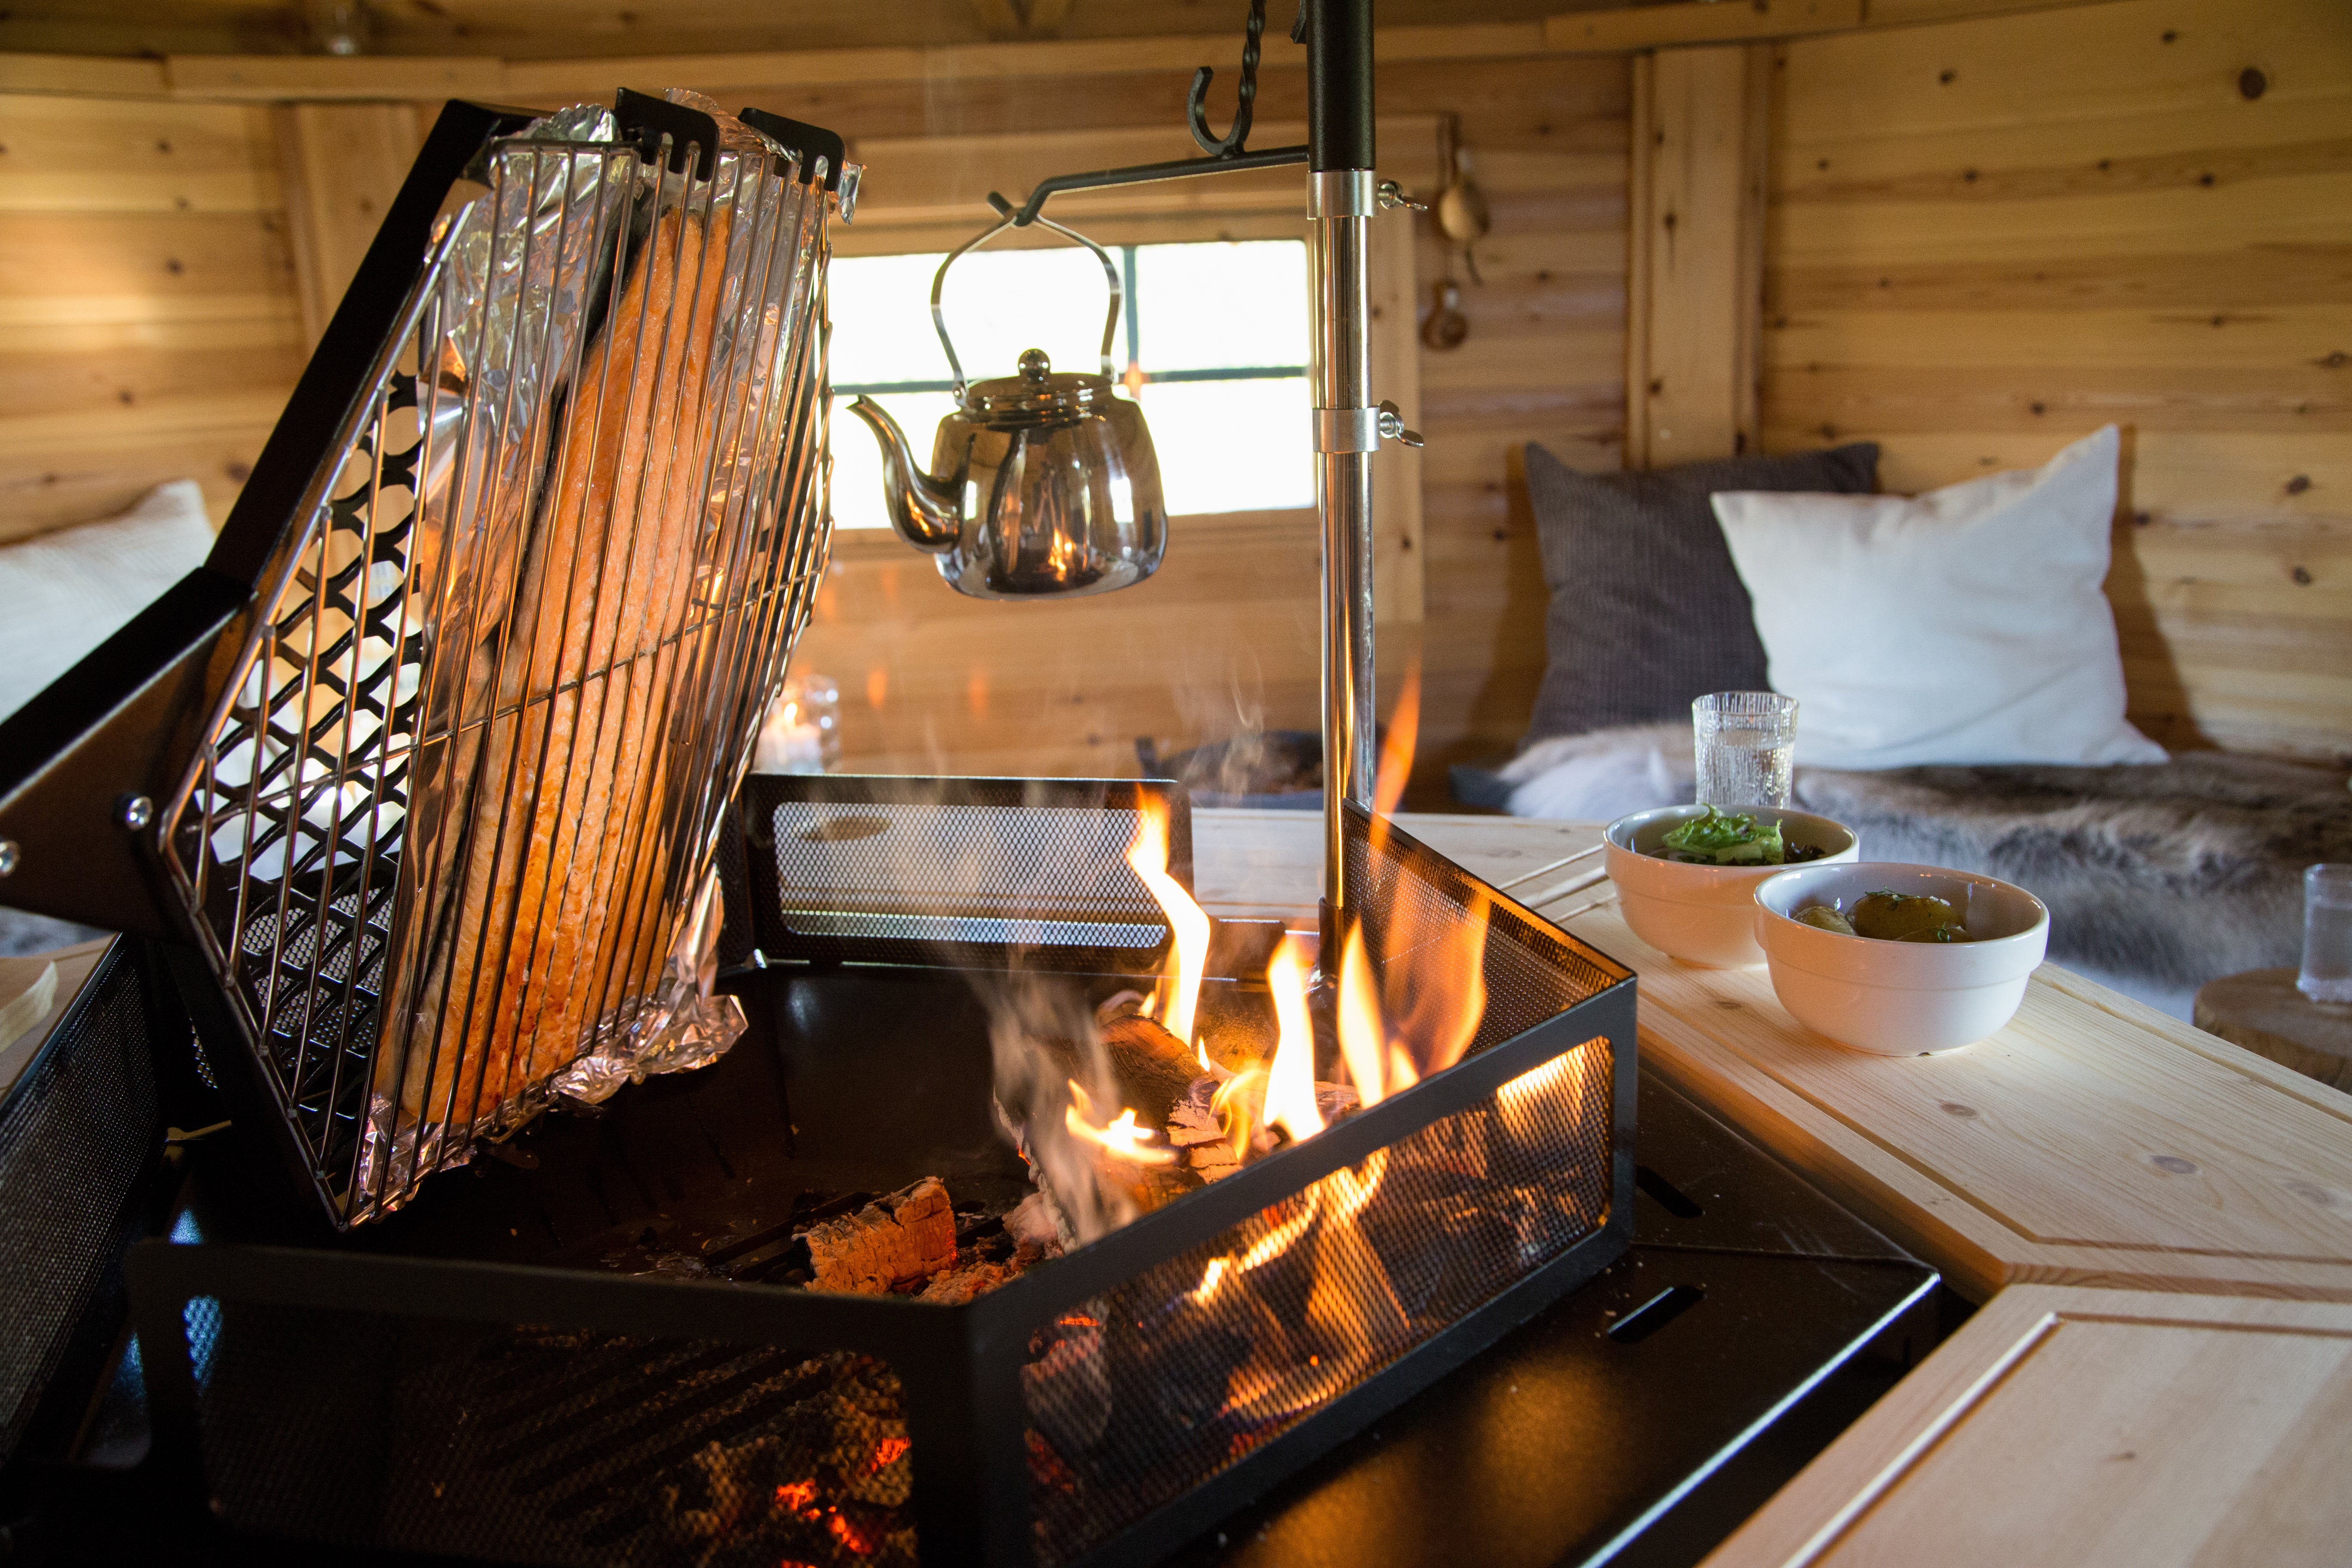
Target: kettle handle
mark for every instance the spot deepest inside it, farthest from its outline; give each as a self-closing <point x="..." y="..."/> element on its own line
<point x="939" y="281"/>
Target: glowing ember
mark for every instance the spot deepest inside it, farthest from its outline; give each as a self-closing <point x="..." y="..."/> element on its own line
<point x="887" y="1452"/>
<point x="1290" y="1080"/>
<point x="800" y="1497"/>
<point x="849" y="1535"/>
<point x="1180" y="991"/>
<point x="1123" y="1137"/>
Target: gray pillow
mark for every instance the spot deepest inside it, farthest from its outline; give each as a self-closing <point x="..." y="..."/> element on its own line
<point x="1647" y="611"/>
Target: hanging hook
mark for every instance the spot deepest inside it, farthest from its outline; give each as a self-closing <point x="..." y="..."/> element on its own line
<point x="1230" y="145"/>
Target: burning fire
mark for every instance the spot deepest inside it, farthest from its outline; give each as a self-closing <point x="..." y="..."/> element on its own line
<point x="1122" y="1137"/>
<point x="1177" y="995"/>
<point x="1289" y="1101"/>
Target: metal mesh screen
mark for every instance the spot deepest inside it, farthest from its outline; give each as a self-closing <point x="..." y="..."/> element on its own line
<point x="887" y="867"/>
<point x="77" y="1129"/>
<point x="1413" y="902"/>
<point x="1157" y="1387"/>
<point x="516" y="1443"/>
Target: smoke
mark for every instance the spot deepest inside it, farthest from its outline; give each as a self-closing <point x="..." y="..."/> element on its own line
<point x="1043" y="1038"/>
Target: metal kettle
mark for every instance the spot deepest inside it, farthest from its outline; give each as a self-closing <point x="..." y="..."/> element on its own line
<point x="1041" y="482"/>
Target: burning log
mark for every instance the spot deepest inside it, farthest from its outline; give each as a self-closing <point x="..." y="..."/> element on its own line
<point x="895" y="1240"/>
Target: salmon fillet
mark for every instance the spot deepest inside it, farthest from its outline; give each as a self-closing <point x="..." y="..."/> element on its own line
<point x="557" y="918"/>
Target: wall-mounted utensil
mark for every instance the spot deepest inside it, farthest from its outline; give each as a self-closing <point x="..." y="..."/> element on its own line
<point x="1462" y="213"/>
<point x="1446" y="326"/>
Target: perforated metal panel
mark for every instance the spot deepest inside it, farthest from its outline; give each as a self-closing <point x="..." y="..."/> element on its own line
<point x="77" y="1129"/>
<point x="917" y="870"/>
<point x="515" y="1444"/>
<point x="1174" y="1377"/>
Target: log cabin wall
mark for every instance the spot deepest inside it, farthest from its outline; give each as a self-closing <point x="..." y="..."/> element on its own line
<point x="2079" y="215"/>
<point x="148" y="325"/>
<point x="1989" y="237"/>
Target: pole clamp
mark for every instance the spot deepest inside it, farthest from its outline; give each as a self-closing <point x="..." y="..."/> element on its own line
<point x="1361" y="429"/>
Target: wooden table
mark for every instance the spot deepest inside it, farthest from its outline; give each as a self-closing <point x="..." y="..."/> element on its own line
<point x="2263" y="1012"/>
<point x="2197" y="1409"/>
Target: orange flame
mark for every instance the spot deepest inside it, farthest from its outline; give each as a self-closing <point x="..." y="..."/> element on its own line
<point x="1362" y="1041"/>
<point x="1122" y="1136"/>
<point x="1179" y="993"/>
<point x="887" y="1452"/>
<point x="1396" y="752"/>
<point x="1290" y="1080"/>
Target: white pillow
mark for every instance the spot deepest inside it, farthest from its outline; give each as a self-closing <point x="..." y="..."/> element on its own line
<point x="63" y="593"/>
<point x="1967" y="624"/>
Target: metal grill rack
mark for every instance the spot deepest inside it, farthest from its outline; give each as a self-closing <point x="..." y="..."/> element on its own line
<point x="464" y="783"/>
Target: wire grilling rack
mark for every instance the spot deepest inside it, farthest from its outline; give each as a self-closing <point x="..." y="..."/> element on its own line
<point x="448" y="832"/>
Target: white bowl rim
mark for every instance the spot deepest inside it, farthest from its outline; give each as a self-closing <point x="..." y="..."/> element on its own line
<point x="1791" y="878"/>
<point x="1633" y="822"/>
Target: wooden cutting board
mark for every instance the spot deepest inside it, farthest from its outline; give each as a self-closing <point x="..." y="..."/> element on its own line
<point x="2094" y="1428"/>
<point x="2092" y="1141"/>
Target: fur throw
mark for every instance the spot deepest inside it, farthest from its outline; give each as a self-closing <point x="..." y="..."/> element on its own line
<point x="2175" y="872"/>
<point x="2179" y="871"/>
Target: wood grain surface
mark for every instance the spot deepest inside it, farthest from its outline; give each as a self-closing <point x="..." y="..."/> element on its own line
<point x="2262" y="1011"/>
<point x="2095" y="1428"/>
<point x="1990" y="236"/>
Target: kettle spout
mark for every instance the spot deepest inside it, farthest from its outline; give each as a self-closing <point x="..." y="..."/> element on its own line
<point x="924" y="511"/>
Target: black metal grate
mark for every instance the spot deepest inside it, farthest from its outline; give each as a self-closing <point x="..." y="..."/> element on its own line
<point x="1413" y="903"/>
<point x="1175" y="1375"/>
<point x="884" y="868"/>
<point x="518" y="1444"/>
<point x="77" y="1128"/>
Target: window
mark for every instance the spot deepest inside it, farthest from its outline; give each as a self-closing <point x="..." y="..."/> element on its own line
<point x="1212" y="341"/>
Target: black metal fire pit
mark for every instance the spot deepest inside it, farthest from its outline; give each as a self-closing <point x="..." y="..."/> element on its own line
<point x="463" y="1379"/>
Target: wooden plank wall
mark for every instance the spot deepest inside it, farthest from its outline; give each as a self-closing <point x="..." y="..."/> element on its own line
<point x="148" y="325"/>
<point x="1989" y="237"/>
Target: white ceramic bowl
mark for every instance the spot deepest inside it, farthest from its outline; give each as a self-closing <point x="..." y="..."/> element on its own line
<point x="1704" y="914"/>
<point x="1899" y="998"/>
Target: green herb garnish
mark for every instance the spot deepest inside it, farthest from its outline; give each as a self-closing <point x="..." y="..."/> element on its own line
<point x="1725" y="838"/>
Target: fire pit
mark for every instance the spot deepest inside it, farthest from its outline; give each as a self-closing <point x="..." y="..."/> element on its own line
<point x="411" y="1388"/>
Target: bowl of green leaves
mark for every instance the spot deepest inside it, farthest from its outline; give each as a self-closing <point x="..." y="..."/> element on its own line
<point x="1687" y="875"/>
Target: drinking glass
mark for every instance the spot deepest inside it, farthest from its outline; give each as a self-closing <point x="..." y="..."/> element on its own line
<point x="2327" y="933"/>
<point x="1746" y="745"/>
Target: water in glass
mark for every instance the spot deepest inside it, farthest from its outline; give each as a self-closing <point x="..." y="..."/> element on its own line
<point x="2326" y="934"/>
<point x="1747" y="767"/>
<point x="1745" y="743"/>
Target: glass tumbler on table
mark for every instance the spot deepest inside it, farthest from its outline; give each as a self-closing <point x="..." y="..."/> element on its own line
<point x="2326" y="934"/>
<point x="1745" y="743"/>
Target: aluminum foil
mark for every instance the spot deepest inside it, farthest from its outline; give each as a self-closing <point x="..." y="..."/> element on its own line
<point x="682" y="1026"/>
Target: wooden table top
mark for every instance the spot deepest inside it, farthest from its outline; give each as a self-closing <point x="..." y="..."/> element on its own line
<point x="2098" y="1428"/>
<point x="2092" y="1141"/>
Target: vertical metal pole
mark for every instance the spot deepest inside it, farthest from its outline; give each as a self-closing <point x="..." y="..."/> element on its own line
<point x="1339" y="206"/>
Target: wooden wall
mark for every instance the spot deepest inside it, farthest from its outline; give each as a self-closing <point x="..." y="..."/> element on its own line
<point x="1986" y="239"/>
<point x="148" y="324"/>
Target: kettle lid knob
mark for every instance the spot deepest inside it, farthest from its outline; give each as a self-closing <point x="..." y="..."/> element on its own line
<point x="1034" y="365"/>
